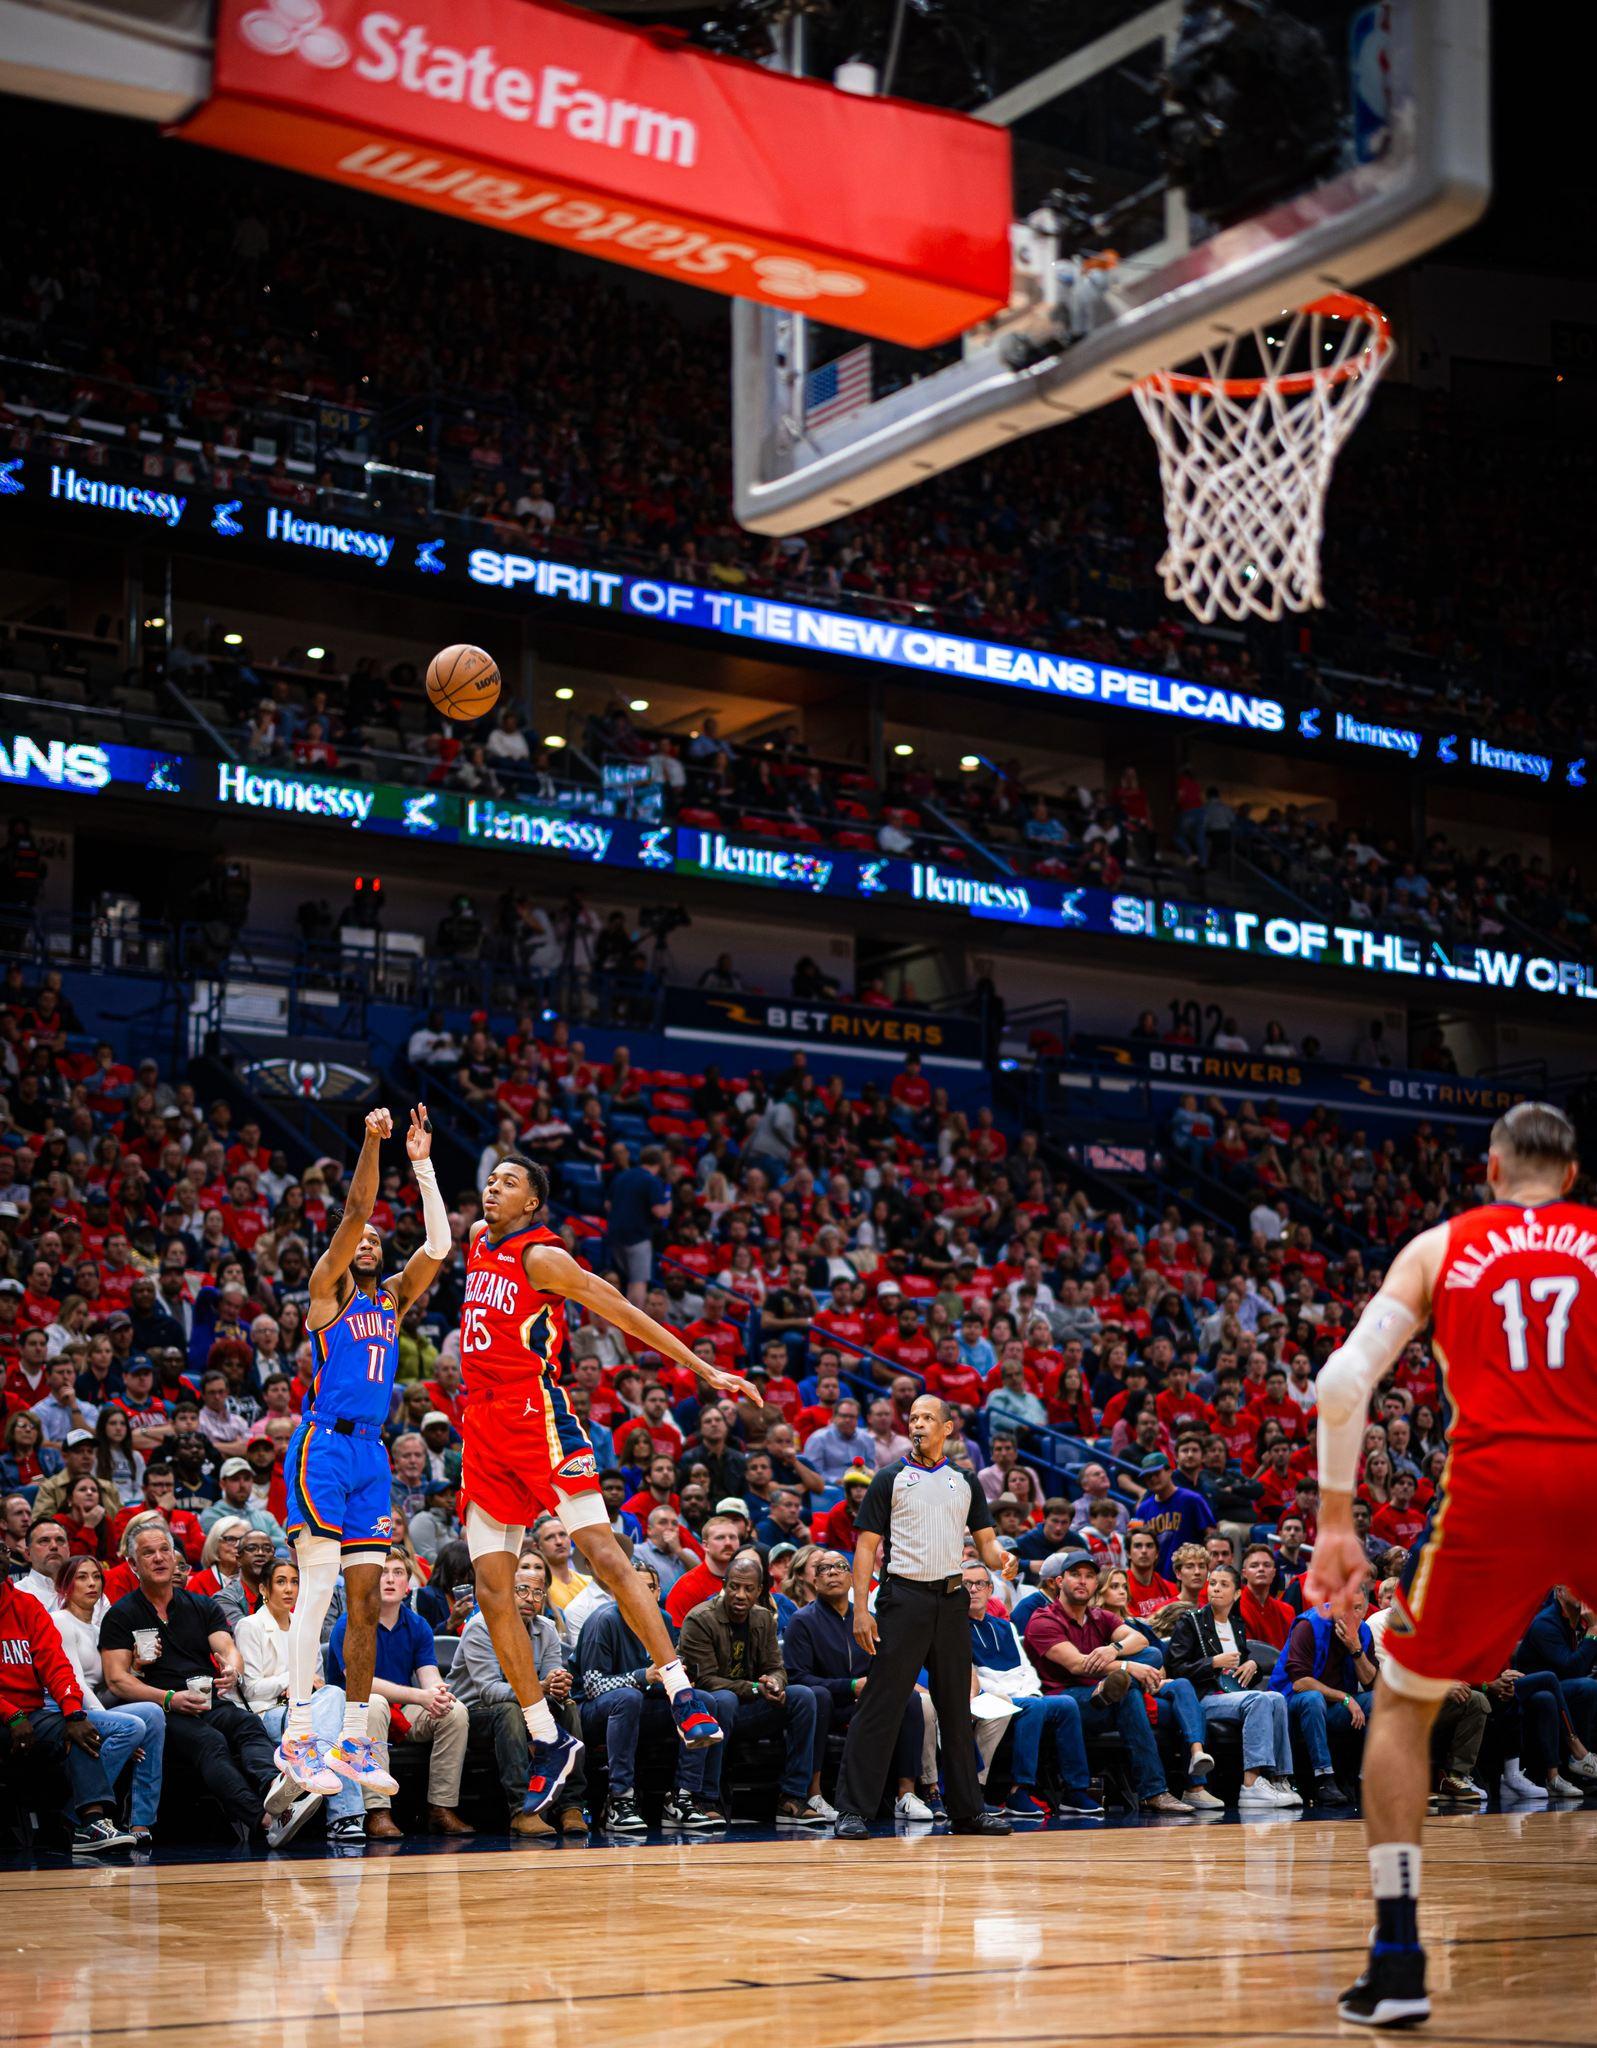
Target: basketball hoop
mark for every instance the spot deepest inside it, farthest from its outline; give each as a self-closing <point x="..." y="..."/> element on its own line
<point x="1246" y="448"/>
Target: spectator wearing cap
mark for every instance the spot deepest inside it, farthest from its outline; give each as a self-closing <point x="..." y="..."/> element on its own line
<point x="237" y="1478"/>
<point x="840" y="1445"/>
<point x="61" y="1411"/>
<point x="438" y="1439"/>
<point x="1172" y="1514"/>
<point x="1002" y="1670"/>
<point x="78" y="1458"/>
<point x="1077" y="1646"/>
<point x="841" y="1532"/>
<point x="439" y="1521"/>
<point x="143" y="1404"/>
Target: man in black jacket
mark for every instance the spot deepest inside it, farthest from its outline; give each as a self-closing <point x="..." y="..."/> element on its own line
<point x="820" y="1650"/>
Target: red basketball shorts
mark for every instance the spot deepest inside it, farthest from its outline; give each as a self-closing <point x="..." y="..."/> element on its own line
<point x="1511" y="1518"/>
<point x="525" y="1455"/>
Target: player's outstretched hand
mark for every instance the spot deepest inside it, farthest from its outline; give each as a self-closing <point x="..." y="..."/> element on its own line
<point x="1339" y="1566"/>
<point x="379" y="1124"/>
<point x="419" y="1138"/>
<point x="731" y="1383"/>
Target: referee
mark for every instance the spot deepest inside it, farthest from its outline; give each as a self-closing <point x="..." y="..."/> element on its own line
<point x="913" y="1521"/>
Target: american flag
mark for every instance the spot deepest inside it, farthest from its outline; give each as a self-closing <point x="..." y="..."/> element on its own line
<point x="841" y="387"/>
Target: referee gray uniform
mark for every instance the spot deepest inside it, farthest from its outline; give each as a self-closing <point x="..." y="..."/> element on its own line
<point x="921" y="1513"/>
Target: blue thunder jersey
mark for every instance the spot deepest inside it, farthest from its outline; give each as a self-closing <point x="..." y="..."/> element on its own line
<point x="357" y="1358"/>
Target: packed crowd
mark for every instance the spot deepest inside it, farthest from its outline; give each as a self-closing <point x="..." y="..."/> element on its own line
<point x="626" y="451"/>
<point x="1135" y="1397"/>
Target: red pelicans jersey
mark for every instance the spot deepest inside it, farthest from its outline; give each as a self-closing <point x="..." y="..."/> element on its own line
<point x="509" y="1331"/>
<point x="1515" y="1314"/>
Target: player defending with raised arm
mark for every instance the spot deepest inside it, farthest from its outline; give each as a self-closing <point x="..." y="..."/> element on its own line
<point x="1511" y="1290"/>
<point x="527" y="1454"/>
<point x="339" y="1499"/>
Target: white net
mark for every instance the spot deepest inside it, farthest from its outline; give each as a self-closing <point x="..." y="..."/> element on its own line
<point x="1246" y="448"/>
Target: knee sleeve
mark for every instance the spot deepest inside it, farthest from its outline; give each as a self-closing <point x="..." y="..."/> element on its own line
<point x="319" y="1559"/>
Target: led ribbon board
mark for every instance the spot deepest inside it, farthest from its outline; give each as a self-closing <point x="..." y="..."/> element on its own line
<point x="808" y="873"/>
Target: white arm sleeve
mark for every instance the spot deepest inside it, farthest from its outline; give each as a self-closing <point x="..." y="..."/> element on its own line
<point x="1348" y="1378"/>
<point x="438" y="1243"/>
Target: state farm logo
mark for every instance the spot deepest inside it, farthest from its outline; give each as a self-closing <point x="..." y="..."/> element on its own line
<point x="790" y="277"/>
<point x="383" y="48"/>
<point x="295" y="28"/>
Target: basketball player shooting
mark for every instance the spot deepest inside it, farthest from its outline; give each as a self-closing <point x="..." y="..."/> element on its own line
<point x="339" y="1499"/>
<point x="526" y="1453"/>
<point x="1511" y="1291"/>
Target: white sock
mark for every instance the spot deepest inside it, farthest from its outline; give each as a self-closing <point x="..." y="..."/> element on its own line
<point x="1395" y="1870"/>
<point x="299" y="1719"/>
<point x="355" y="1727"/>
<point x="540" y="1722"/>
<point x="674" y="1677"/>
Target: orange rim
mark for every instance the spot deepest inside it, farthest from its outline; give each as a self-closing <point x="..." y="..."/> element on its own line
<point x="1334" y="306"/>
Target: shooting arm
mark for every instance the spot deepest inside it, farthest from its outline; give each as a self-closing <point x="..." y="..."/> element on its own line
<point x="333" y="1264"/>
<point x="424" y="1265"/>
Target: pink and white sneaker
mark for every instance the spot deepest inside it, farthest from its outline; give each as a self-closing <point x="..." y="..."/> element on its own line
<point x="303" y="1758"/>
<point x="354" y="1757"/>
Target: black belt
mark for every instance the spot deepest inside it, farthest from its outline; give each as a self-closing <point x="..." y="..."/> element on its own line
<point x="954" y="1582"/>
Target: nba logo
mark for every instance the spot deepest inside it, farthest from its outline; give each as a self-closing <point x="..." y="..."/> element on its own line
<point x="1370" y="80"/>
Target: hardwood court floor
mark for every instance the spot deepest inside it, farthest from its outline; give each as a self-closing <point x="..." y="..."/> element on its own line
<point x="1176" y="1933"/>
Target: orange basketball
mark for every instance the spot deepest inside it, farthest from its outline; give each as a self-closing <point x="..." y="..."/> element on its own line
<point x="463" y="682"/>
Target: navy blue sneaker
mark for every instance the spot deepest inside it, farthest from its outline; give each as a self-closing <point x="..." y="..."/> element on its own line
<point x="549" y="1764"/>
<point x="695" y="1719"/>
<point x="1076" y="1799"/>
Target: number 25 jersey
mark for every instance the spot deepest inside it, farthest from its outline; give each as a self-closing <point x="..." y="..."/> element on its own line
<point x="1515" y="1314"/>
<point x="512" y="1335"/>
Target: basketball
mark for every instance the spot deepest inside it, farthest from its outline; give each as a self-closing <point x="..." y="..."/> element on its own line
<point x="463" y="682"/>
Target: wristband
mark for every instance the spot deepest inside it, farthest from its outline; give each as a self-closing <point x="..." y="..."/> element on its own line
<point x="1347" y="1699"/>
<point x="19" y="1719"/>
<point x="166" y="1704"/>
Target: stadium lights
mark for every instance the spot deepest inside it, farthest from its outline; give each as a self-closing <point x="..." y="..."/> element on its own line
<point x="903" y="748"/>
<point x="565" y="693"/>
<point x="554" y="739"/>
<point x="639" y="704"/>
<point x="232" y="639"/>
<point x="316" y="654"/>
<point x="969" y="761"/>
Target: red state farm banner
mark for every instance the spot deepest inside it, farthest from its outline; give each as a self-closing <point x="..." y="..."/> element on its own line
<point x="882" y="217"/>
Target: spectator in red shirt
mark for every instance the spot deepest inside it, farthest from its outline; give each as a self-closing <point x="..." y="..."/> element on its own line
<point x="951" y="1379"/>
<point x="840" y="1531"/>
<point x="909" y="1349"/>
<point x="721" y="1536"/>
<point x="713" y="1328"/>
<point x="42" y="1708"/>
<point x="1276" y="1484"/>
<point x="1264" y="1617"/>
<point x="911" y="1091"/>
<point x="160" y="1492"/>
<point x="1146" y="1591"/>
<point x="841" y="1318"/>
<point x="657" y="1491"/>
<point x="1236" y="1427"/>
<point x="1179" y="1408"/>
<point x="1401" y="1521"/>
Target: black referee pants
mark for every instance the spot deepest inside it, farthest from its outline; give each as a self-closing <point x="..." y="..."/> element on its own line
<point x="918" y="1623"/>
